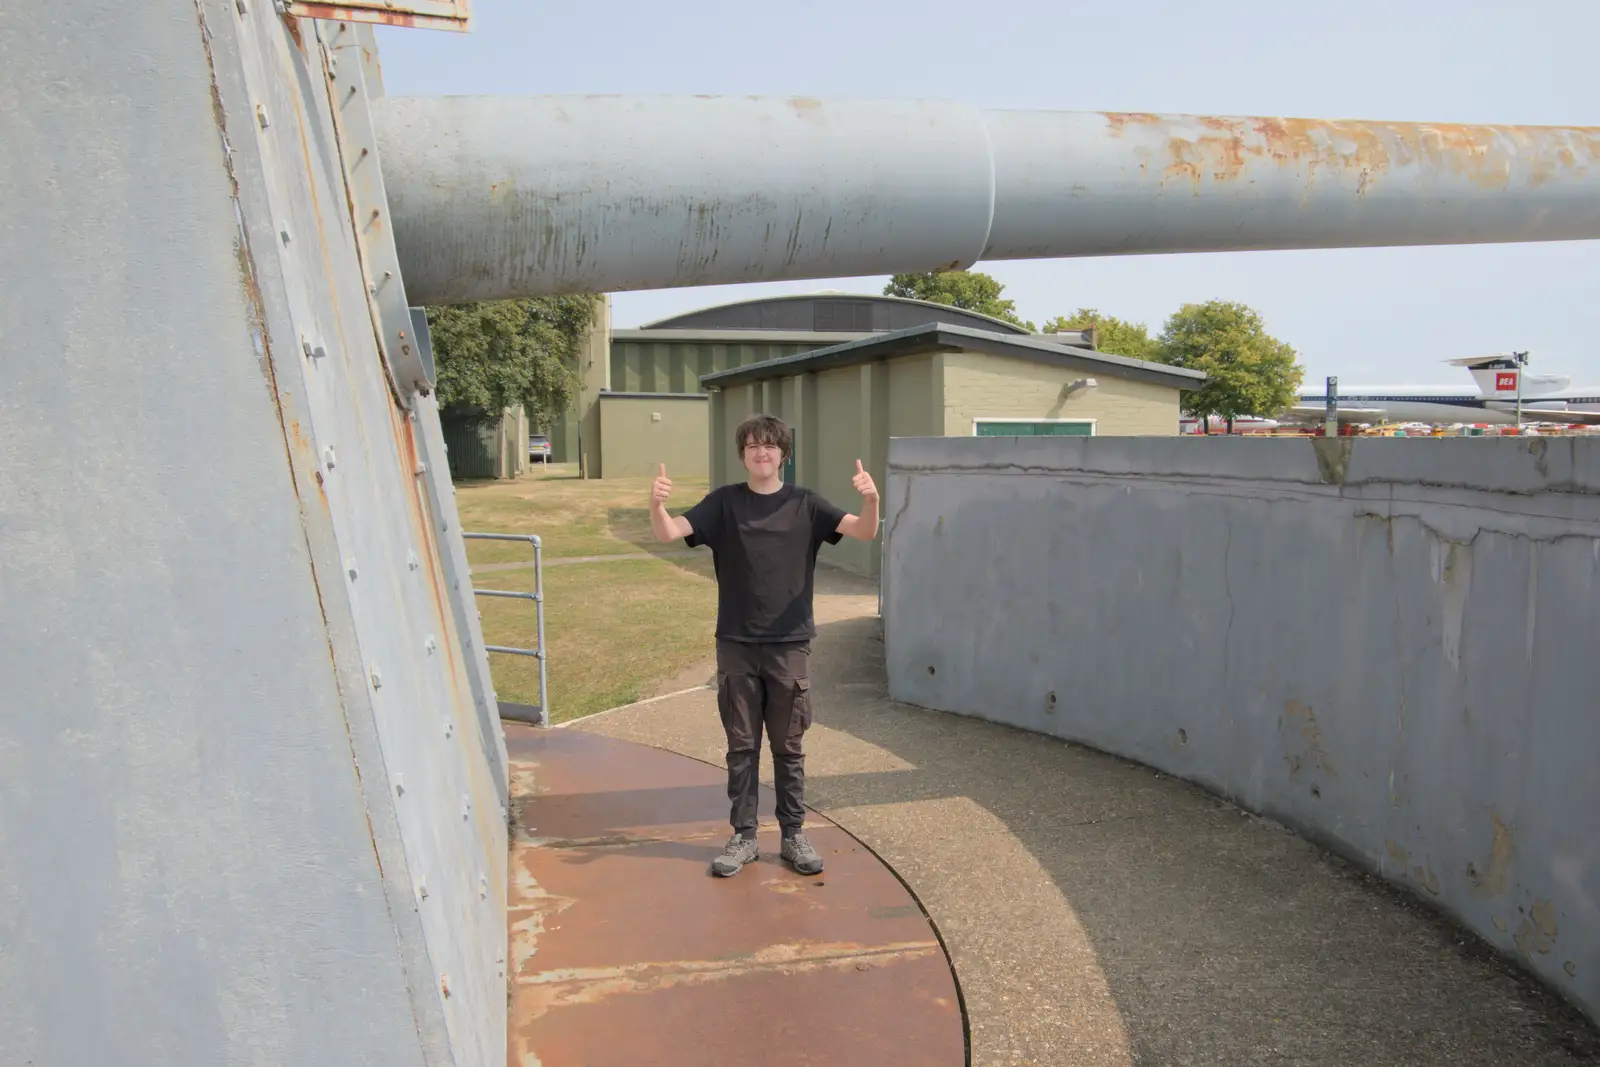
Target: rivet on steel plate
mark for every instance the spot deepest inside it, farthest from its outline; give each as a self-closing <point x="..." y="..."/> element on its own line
<point x="350" y="565"/>
<point x="483" y="890"/>
<point x="422" y="468"/>
<point x="449" y="728"/>
<point x="261" y="116"/>
<point x="402" y="333"/>
<point x="422" y="888"/>
<point x="240" y="5"/>
<point x="412" y="561"/>
<point x="399" y="785"/>
<point x="327" y="456"/>
<point x="430" y="644"/>
<point x="466" y="808"/>
<point x="283" y="233"/>
<point x="377" y="681"/>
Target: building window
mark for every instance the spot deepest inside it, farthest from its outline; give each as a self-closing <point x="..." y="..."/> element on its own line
<point x="1033" y="427"/>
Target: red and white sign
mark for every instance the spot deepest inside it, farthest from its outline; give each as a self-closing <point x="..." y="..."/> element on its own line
<point x="1505" y="382"/>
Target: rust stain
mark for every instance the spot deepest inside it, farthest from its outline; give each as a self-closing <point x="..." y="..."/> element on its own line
<point x="1499" y="923"/>
<point x="378" y="16"/>
<point x="543" y="992"/>
<point x="1305" y="720"/>
<point x="1530" y="939"/>
<point x="1544" y="917"/>
<point x="1498" y="871"/>
<point x="1225" y="150"/>
<point x="1119" y="121"/>
<point x="1426" y="879"/>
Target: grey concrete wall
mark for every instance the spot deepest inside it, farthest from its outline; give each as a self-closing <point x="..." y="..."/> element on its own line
<point x="1388" y="644"/>
<point x="250" y="811"/>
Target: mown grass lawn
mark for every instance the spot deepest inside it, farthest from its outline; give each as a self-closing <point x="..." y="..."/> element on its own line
<point x="617" y="630"/>
<point x="572" y="517"/>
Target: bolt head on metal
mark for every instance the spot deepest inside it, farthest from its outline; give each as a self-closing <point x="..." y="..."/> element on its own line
<point x="240" y="5"/>
<point x="412" y="561"/>
<point x="399" y="785"/>
<point x="283" y="233"/>
<point x="430" y="644"/>
<point x="449" y="728"/>
<point x="466" y="807"/>
<point x="350" y="568"/>
<point x="261" y="116"/>
<point x="422" y="888"/>
<point x="327" y="456"/>
<point x="377" y="679"/>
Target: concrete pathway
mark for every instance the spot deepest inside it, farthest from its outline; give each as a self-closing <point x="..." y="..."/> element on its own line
<point x="1099" y="913"/>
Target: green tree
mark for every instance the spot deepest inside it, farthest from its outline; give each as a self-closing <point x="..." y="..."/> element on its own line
<point x="499" y="354"/>
<point x="1249" y="372"/>
<point x="1114" y="335"/>
<point x="970" y="290"/>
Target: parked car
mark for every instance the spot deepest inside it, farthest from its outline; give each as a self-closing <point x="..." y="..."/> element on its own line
<point x="539" y="448"/>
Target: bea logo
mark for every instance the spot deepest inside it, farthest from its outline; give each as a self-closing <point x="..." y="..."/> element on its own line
<point x="1506" y="381"/>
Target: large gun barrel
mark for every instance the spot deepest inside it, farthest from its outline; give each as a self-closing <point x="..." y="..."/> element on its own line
<point x="498" y="197"/>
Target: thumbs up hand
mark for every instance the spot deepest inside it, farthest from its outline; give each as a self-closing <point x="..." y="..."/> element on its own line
<point x="661" y="488"/>
<point x="863" y="483"/>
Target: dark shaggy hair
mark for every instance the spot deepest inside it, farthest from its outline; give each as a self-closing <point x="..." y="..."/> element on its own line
<point x="764" y="430"/>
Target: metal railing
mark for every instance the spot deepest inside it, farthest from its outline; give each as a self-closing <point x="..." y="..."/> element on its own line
<point x="538" y="715"/>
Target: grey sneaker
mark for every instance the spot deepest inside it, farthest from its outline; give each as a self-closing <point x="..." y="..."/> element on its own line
<point x="739" y="851"/>
<point x="801" y="856"/>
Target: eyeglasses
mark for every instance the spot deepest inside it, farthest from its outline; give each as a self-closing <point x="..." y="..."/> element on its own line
<point x="762" y="448"/>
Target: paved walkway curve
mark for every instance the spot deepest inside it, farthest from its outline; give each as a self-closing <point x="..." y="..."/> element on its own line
<point x="1100" y="913"/>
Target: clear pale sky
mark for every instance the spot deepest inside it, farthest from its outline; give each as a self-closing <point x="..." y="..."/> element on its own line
<point x="1368" y="315"/>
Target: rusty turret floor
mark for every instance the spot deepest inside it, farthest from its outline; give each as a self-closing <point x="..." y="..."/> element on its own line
<point x="626" y="951"/>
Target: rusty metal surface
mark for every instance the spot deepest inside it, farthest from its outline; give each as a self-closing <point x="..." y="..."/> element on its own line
<point x="413" y="14"/>
<point x="386" y="560"/>
<point x="496" y="197"/>
<point x="624" y="950"/>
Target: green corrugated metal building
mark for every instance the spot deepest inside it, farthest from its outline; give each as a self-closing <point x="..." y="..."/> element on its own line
<point x="667" y="359"/>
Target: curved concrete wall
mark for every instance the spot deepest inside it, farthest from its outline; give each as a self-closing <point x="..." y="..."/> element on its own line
<point x="1387" y="644"/>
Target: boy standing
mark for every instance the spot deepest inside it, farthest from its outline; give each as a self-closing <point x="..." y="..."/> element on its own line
<point x="764" y="536"/>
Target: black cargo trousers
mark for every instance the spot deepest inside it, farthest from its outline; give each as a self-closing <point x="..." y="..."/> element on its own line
<point x="765" y="686"/>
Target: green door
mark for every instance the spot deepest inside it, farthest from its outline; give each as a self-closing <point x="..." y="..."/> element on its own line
<point x="1034" y="429"/>
<point x="788" y="464"/>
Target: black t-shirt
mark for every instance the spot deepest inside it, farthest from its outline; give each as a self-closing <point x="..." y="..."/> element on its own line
<point x="764" y="549"/>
